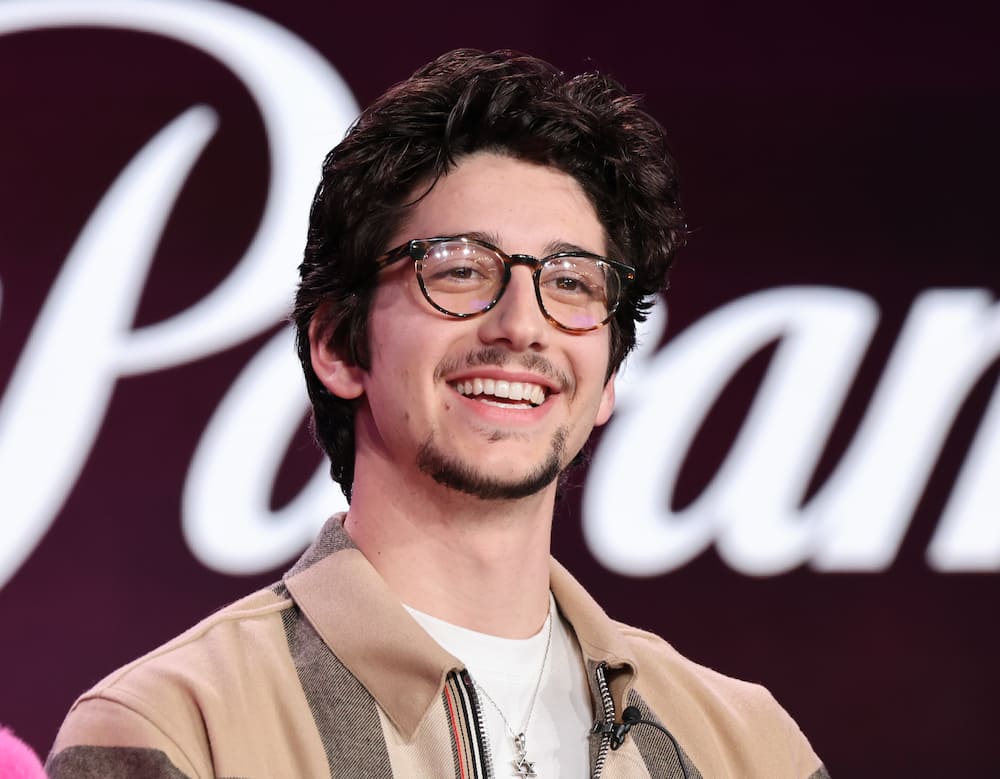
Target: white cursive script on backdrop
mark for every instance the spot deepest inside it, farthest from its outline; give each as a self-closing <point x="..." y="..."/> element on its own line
<point x="752" y="508"/>
<point x="306" y="108"/>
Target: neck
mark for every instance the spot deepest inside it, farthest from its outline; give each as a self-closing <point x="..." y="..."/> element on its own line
<point x="483" y="565"/>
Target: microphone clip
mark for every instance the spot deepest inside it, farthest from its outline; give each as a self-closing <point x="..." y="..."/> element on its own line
<point x="618" y="730"/>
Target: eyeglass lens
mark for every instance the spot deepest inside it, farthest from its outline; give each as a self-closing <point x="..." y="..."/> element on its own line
<point x="464" y="278"/>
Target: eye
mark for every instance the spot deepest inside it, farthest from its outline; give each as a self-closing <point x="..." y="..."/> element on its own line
<point x="573" y="279"/>
<point x="467" y="271"/>
<point x="451" y="267"/>
<point x="571" y="284"/>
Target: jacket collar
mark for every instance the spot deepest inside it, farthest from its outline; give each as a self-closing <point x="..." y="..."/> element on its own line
<point x="601" y="639"/>
<point x="403" y="668"/>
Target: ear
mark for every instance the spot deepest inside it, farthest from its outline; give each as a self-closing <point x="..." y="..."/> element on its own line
<point x="607" y="401"/>
<point x="336" y="371"/>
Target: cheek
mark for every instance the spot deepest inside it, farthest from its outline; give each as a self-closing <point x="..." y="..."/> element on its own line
<point x="593" y="361"/>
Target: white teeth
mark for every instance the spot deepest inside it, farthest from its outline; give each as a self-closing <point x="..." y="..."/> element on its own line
<point x="498" y="388"/>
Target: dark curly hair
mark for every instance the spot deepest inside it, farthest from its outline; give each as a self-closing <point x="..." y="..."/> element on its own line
<point x="463" y="102"/>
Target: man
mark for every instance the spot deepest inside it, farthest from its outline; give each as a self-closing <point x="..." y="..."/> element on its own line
<point x="481" y="246"/>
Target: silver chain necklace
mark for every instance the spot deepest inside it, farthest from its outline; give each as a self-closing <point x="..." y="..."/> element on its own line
<point x="521" y="765"/>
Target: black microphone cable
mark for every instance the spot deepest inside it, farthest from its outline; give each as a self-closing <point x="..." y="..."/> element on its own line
<point x="632" y="717"/>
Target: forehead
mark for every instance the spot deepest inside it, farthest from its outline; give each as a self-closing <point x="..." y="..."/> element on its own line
<point x="526" y="206"/>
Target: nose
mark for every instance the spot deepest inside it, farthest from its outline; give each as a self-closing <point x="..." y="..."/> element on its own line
<point x="516" y="321"/>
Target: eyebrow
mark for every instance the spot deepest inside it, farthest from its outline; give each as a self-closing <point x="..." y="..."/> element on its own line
<point x="553" y="247"/>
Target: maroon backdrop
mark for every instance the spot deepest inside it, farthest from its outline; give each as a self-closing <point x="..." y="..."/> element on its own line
<point x="852" y="147"/>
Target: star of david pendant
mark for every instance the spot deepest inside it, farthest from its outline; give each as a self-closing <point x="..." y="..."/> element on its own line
<point x="521" y="765"/>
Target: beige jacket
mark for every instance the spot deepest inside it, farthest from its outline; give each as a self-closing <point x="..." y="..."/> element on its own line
<point x="325" y="674"/>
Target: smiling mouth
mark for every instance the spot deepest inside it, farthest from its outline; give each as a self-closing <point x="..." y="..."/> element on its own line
<point x="506" y="394"/>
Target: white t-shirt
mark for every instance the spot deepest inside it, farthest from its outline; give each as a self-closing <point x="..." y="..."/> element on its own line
<point x="557" y="734"/>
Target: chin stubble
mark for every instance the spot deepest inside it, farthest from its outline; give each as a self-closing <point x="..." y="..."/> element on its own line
<point x="466" y="477"/>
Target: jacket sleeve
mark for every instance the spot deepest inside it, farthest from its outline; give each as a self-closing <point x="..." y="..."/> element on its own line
<point x="104" y="738"/>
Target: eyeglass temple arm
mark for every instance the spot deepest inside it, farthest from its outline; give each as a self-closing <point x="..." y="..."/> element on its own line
<point x="393" y="256"/>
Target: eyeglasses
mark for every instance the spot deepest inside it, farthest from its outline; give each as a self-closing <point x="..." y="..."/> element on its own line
<point x="464" y="277"/>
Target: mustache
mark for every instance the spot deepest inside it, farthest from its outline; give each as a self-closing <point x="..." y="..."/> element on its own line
<point x="501" y="358"/>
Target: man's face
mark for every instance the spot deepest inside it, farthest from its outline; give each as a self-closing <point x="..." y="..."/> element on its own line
<point x="431" y="402"/>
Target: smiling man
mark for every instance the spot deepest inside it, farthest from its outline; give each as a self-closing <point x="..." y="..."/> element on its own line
<point x="481" y="246"/>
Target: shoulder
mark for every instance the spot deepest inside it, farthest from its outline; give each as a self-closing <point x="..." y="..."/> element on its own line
<point x="659" y="662"/>
<point x="726" y="724"/>
<point x="161" y="702"/>
<point x="220" y="645"/>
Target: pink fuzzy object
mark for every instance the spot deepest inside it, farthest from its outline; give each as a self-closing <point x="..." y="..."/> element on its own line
<point x="17" y="759"/>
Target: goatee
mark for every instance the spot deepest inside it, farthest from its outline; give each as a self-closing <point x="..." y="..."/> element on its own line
<point x="465" y="477"/>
